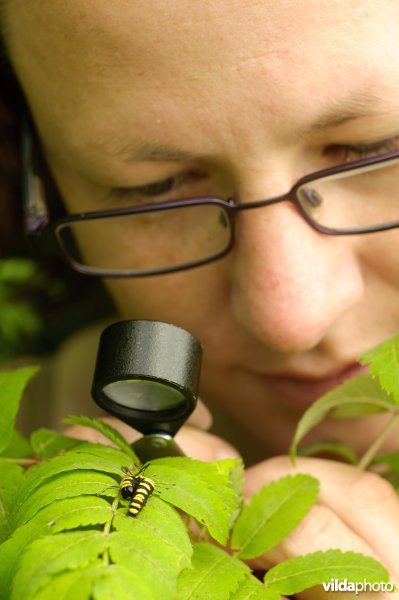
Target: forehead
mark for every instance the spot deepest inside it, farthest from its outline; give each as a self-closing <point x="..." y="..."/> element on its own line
<point x="91" y="63"/>
<point x="192" y="39"/>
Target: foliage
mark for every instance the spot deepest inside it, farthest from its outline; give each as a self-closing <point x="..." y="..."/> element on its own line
<point x="369" y="393"/>
<point x="23" y="287"/>
<point x="39" y="306"/>
<point x="12" y="386"/>
<point x="64" y="531"/>
<point x="384" y="364"/>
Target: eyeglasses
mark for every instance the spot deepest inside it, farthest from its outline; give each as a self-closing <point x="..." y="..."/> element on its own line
<point x="354" y="198"/>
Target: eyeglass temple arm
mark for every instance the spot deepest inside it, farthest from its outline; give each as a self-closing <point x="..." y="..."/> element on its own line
<point x="34" y="207"/>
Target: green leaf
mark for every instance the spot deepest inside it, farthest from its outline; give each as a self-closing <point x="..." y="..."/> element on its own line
<point x="390" y="458"/>
<point x="11" y="477"/>
<point x="12" y="386"/>
<point x="76" y="512"/>
<point x="233" y="470"/>
<point x="120" y="583"/>
<point x="197" y="488"/>
<point x="100" y="582"/>
<point x="272" y="513"/>
<point x="47" y="443"/>
<point x="106" y="452"/>
<point x="330" y="449"/>
<point x="151" y="557"/>
<point x="19" y="447"/>
<point x="16" y="271"/>
<point x="252" y="589"/>
<point x="384" y="364"/>
<point x="65" y="485"/>
<point x="54" y="554"/>
<point x="392" y="477"/>
<point x="298" y="574"/>
<point x="159" y="521"/>
<point x="356" y="397"/>
<point x="98" y="458"/>
<point x="107" y="431"/>
<point x="58" y="516"/>
<point x="214" y="574"/>
<point x="77" y="584"/>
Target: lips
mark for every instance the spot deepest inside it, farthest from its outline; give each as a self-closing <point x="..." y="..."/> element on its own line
<point x="301" y="392"/>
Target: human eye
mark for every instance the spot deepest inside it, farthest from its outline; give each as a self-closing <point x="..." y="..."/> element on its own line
<point x="172" y="188"/>
<point x="342" y="153"/>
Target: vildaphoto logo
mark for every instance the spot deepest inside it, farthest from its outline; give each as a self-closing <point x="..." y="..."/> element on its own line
<point x="336" y="585"/>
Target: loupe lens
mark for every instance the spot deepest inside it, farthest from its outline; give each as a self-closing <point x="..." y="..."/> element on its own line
<point x="144" y="395"/>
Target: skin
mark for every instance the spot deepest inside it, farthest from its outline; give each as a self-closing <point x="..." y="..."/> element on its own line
<point x="257" y="94"/>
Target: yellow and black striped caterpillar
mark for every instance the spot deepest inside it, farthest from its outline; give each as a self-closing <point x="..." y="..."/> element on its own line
<point x="144" y="489"/>
<point x="137" y="488"/>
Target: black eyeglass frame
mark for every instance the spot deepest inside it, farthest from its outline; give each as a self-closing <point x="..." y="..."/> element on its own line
<point x="37" y="220"/>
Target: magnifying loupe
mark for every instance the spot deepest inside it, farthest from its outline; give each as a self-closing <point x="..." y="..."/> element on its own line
<point x="147" y="375"/>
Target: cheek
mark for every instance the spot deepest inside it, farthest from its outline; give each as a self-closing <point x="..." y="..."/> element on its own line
<point x="149" y="298"/>
<point x="379" y="254"/>
<point x="190" y="299"/>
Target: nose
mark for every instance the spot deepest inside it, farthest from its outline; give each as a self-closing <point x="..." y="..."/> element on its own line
<point x="291" y="283"/>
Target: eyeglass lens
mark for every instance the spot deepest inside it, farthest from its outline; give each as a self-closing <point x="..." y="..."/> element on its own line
<point x="349" y="201"/>
<point x="354" y="200"/>
<point x="149" y="241"/>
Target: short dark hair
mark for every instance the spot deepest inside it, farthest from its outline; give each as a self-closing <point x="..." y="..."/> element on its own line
<point x="10" y="95"/>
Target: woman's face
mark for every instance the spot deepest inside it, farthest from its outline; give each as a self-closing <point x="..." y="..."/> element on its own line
<point x="237" y="99"/>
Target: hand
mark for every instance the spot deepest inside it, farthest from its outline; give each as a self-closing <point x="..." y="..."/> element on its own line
<point x="356" y="511"/>
<point x="192" y="438"/>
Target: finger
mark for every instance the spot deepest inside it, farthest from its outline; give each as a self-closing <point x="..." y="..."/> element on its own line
<point x="204" y="446"/>
<point x="194" y="442"/>
<point x="363" y="506"/>
<point x="201" y="417"/>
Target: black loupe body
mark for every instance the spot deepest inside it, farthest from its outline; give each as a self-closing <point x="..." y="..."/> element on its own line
<point x="147" y="375"/>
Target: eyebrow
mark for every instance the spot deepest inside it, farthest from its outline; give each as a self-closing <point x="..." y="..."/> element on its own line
<point x="355" y="107"/>
<point x="156" y="151"/>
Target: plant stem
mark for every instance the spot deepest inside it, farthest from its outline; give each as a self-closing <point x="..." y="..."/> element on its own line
<point x="375" y="446"/>
<point x="107" y="528"/>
